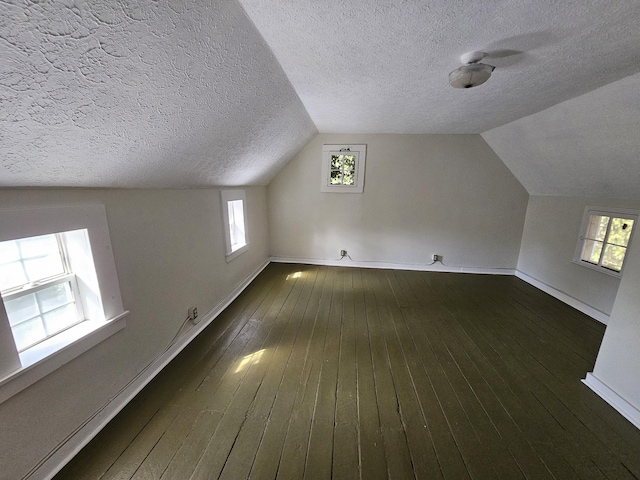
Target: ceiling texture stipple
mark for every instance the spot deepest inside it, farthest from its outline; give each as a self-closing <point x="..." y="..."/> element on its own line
<point x="167" y="93"/>
<point x="373" y="66"/>
<point x="586" y="146"/>
<point x="141" y="93"/>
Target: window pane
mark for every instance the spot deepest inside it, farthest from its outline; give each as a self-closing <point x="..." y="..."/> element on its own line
<point x="21" y="309"/>
<point x="55" y="296"/>
<point x="350" y="162"/>
<point x="336" y="162"/>
<point x="43" y="245"/>
<point x="591" y="251"/>
<point x="12" y="275"/>
<point x="620" y="231"/>
<point x="336" y="178"/>
<point x="597" y="227"/>
<point x="43" y="267"/>
<point x="60" y="318"/>
<point x="236" y="224"/>
<point x="28" y="333"/>
<point x="613" y="257"/>
<point x="9" y="252"/>
<point x="349" y="171"/>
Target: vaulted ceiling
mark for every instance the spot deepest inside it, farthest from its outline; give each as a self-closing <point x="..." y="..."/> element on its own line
<point x="158" y="93"/>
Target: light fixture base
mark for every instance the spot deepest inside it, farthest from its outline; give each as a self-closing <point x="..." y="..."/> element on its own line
<point x="472" y="57"/>
<point x="471" y="75"/>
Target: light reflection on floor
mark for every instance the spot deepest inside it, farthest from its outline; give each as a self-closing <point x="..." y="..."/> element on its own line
<point x="249" y="360"/>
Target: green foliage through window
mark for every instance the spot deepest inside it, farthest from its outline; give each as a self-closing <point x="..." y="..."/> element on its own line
<point x="343" y="169"/>
<point x="606" y="241"/>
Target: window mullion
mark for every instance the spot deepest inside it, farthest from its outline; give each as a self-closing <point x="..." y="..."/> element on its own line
<point x="604" y="241"/>
<point x="64" y="255"/>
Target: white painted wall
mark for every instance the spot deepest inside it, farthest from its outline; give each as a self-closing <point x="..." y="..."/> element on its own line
<point x="551" y="230"/>
<point x="618" y="362"/>
<point x="169" y="252"/>
<point x="423" y="195"/>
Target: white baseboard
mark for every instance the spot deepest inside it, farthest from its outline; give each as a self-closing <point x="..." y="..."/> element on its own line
<point x="625" y="409"/>
<point x="395" y="266"/>
<point x="563" y="297"/>
<point x="64" y="453"/>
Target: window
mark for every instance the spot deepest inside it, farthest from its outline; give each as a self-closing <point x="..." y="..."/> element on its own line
<point x="234" y="214"/>
<point x="343" y="168"/>
<point x="605" y="238"/>
<point x="59" y="290"/>
<point x="38" y="288"/>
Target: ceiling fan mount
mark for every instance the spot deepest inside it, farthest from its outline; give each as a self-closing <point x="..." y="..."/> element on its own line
<point x="472" y="73"/>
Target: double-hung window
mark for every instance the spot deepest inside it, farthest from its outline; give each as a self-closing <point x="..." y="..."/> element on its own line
<point x="605" y="237"/>
<point x="59" y="291"/>
<point x="235" y="225"/>
<point x="39" y="290"/>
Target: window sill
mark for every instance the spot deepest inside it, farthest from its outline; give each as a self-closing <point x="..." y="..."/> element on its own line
<point x="595" y="268"/>
<point x="234" y="254"/>
<point x="42" y="359"/>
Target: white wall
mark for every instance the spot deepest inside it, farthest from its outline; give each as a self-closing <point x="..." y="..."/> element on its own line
<point x="169" y="252"/>
<point x="551" y="230"/>
<point x="618" y="362"/>
<point x="423" y="195"/>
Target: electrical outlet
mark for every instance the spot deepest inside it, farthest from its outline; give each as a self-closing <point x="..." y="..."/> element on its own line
<point x="193" y="314"/>
<point x="343" y="253"/>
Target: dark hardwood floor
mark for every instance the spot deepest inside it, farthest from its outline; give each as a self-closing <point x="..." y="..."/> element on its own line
<point x="326" y="372"/>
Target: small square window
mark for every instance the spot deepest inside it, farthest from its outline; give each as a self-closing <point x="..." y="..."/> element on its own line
<point x="604" y="239"/>
<point x="343" y="168"/>
<point x="234" y="214"/>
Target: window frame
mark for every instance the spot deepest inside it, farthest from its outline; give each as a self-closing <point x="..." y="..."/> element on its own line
<point x="608" y="212"/>
<point x="232" y="195"/>
<point x="358" y="185"/>
<point x="67" y="277"/>
<point x="86" y="229"/>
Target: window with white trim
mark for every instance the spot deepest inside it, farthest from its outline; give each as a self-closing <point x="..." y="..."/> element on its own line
<point x="343" y="168"/>
<point x="235" y="226"/>
<point x="39" y="289"/>
<point x="59" y="291"/>
<point x="604" y="239"/>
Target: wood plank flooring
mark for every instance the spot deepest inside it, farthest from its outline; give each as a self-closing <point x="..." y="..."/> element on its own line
<point x="346" y="373"/>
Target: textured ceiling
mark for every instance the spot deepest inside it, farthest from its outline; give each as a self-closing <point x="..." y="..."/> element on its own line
<point x="587" y="146"/>
<point x="144" y="93"/>
<point x="163" y="93"/>
<point x="381" y="66"/>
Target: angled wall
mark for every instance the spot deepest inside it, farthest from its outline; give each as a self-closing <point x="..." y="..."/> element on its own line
<point x="168" y="247"/>
<point x="551" y="232"/>
<point x="618" y="362"/>
<point x="424" y="194"/>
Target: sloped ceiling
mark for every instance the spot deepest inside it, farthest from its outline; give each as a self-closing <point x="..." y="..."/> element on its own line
<point x="141" y="93"/>
<point x="163" y="93"/>
<point x="373" y="66"/>
<point x="586" y="146"/>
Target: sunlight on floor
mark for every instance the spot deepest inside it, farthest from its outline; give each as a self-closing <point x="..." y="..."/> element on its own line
<point x="294" y="275"/>
<point x="249" y="360"/>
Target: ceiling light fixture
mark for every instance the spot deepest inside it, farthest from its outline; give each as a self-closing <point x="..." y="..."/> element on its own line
<point x="472" y="73"/>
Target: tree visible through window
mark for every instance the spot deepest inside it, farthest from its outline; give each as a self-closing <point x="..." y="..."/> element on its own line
<point x="343" y="169"/>
<point x="606" y="240"/>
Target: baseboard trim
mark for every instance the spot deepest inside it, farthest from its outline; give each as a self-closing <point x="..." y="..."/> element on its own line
<point x="395" y="266"/>
<point x="65" y="452"/>
<point x="563" y="297"/>
<point x="625" y="409"/>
